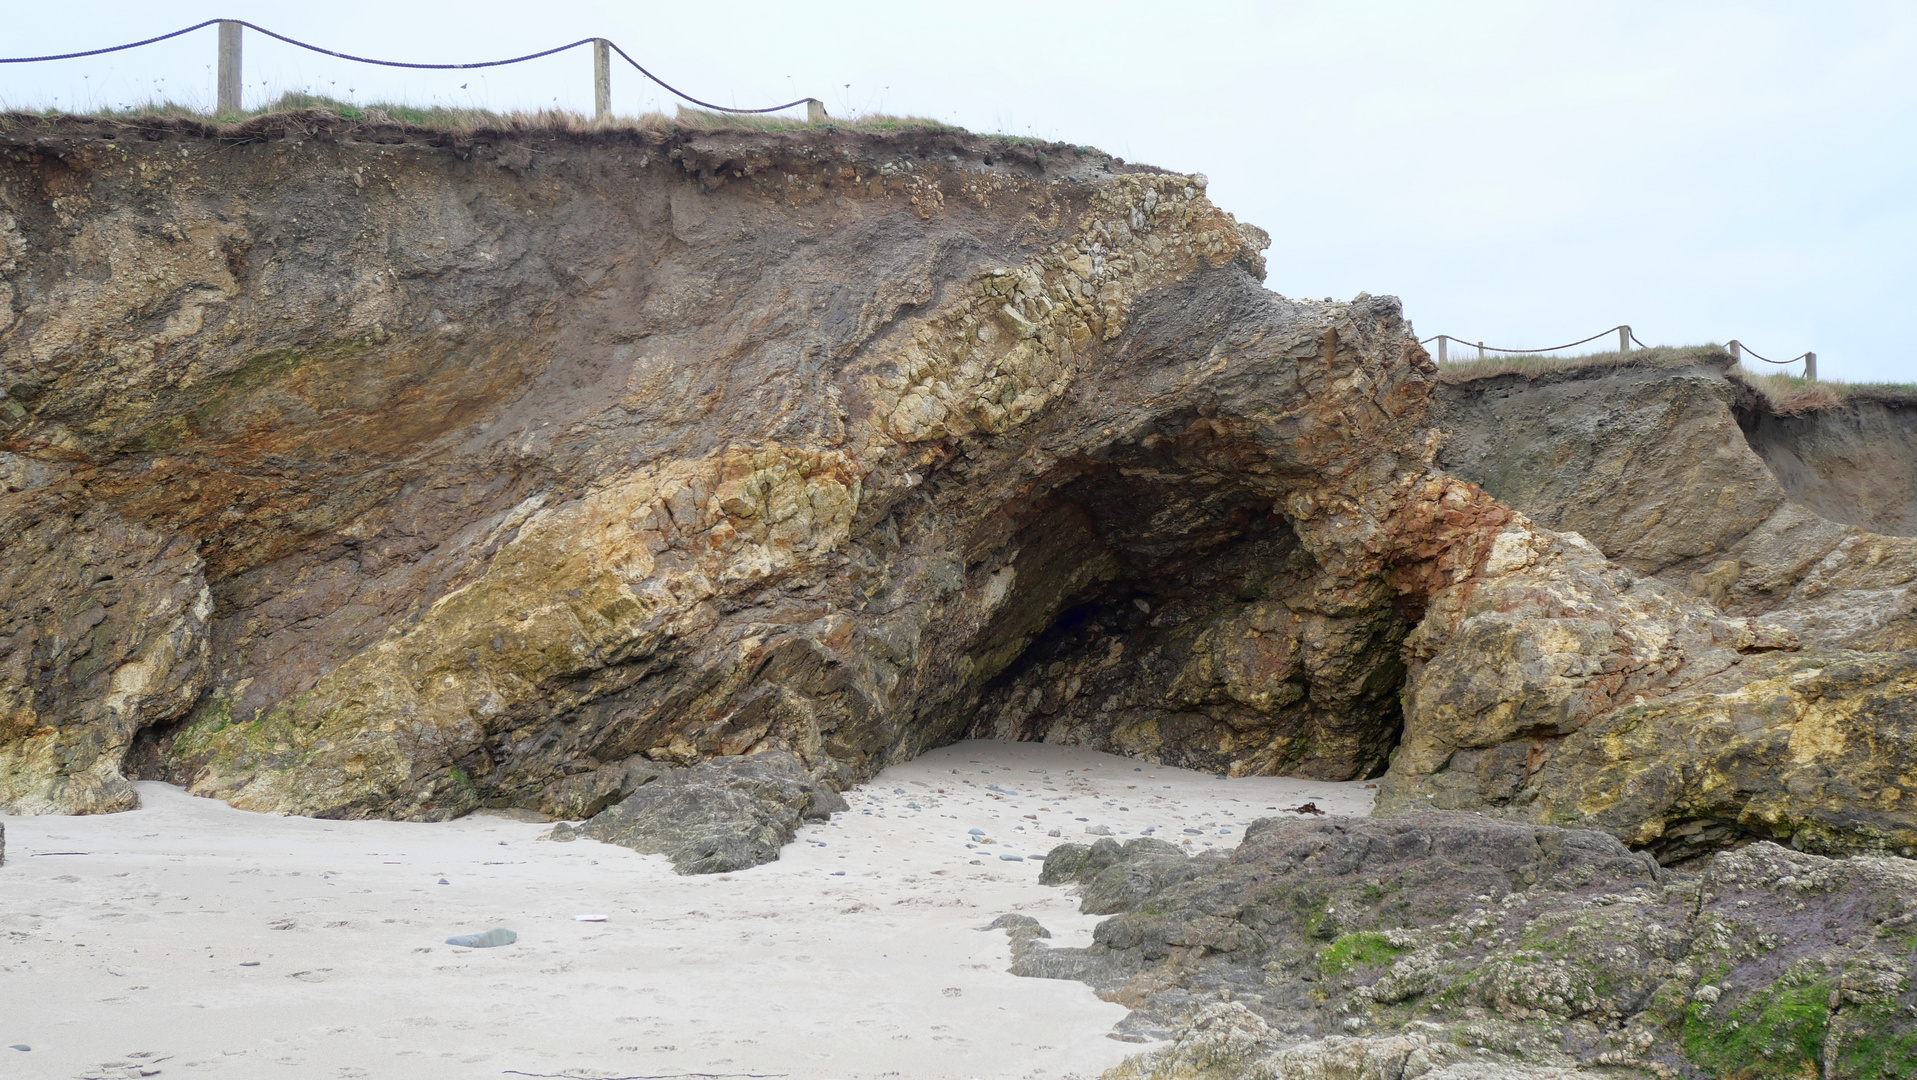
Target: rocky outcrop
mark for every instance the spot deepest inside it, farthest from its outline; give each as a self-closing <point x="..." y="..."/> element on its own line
<point x="104" y="628"/>
<point x="719" y="815"/>
<point x="510" y="456"/>
<point x="1774" y="708"/>
<point x="1667" y="467"/>
<point x="368" y="471"/>
<point x="1417" y="944"/>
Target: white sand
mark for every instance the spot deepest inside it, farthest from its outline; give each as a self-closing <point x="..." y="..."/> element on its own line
<point x="135" y="954"/>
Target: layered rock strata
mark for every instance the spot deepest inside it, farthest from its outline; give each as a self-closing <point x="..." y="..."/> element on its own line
<point x="504" y="458"/>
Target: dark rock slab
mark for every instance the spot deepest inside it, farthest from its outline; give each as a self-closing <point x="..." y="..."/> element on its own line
<point x="1116" y="877"/>
<point x="585" y="794"/>
<point x="719" y="815"/>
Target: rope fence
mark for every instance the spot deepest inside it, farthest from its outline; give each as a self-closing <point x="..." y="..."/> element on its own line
<point x="230" y="75"/>
<point x="1625" y="340"/>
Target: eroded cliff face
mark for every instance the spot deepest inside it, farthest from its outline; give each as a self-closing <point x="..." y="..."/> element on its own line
<point x="1695" y="490"/>
<point x="363" y="471"/>
<point x="469" y="466"/>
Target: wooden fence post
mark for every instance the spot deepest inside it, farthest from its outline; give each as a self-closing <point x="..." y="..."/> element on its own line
<point x="1810" y="367"/>
<point x="229" y="84"/>
<point x="1442" y="351"/>
<point x="1737" y="350"/>
<point x="1623" y="339"/>
<point x="601" y="79"/>
<point x="814" y="111"/>
<point x="1480" y="350"/>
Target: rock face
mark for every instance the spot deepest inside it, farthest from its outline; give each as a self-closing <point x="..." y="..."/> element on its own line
<point x="1777" y="708"/>
<point x="104" y="627"/>
<point x="506" y="457"/>
<point x="366" y="471"/>
<point x="1673" y="470"/>
<point x="1426" y="941"/>
<point x="720" y="815"/>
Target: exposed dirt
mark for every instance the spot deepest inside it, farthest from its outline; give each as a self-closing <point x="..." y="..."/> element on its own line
<point x="1854" y="461"/>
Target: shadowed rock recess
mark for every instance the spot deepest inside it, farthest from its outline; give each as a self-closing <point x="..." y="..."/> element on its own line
<point x="355" y="470"/>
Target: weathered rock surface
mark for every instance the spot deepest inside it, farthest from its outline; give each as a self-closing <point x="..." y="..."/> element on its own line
<point x="1598" y="707"/>
<point x="509" y="457"/>
<point x="719" y="815"/>
<point x="1114" y="877"/>
<point x="104" y="628"/>
<point x="1433" y="941"/>
<point x="1674" y="471"/>
<point x="365" y="471"/>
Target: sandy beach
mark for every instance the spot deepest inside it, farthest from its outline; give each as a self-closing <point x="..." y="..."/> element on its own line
<point x="191" y="939"/>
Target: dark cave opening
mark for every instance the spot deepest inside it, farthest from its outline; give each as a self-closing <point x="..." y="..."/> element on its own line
<point x="1165" y="610"/>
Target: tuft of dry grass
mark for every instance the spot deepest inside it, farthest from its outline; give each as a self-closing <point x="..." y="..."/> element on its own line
<point x="1789" y="394"/>
<point x="1461" y="371"/>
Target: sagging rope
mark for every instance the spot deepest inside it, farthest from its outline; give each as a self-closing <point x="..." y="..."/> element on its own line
<point x="1554" y="348"/>
<point x="400" y="63"/>
<point x="1738" y="349"/>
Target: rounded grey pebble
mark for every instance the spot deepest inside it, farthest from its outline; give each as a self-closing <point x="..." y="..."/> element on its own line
<point x="1012" y="858"/>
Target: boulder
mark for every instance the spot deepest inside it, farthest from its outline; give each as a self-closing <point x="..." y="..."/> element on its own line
<point x="717" y="816"/>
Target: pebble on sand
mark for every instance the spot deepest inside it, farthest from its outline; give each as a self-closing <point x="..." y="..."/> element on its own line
<point x="493" y="938"/>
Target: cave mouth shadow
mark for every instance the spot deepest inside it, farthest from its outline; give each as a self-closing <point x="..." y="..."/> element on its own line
<point x="1163" y="609"/>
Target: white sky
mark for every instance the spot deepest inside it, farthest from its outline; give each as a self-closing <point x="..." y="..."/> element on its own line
<point x="1521" y="173"/>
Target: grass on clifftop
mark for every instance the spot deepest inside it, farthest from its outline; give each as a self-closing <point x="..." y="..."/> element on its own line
<point x="1460" y="371"/>
<point x="1786" y="393"/>
<point x="442" y="118"/>
<point x="1793" y="393"/>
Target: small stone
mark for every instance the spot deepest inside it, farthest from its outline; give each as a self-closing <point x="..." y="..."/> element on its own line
<point x="249" y="963"/>
<point x="838" y="873"/>
<point x="491" y="939"/>
<point x="588" y="918"/>
<point x="443" y="881"/>
<point x="23" y="1047"/>
<point x="1012" y="858"/>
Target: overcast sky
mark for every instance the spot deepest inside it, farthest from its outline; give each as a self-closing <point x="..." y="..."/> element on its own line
<point x="1521" y="173"/>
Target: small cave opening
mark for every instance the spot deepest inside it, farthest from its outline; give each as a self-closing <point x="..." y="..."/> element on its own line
<point x="1161" y="608"/>
<point x="1852" y="460"/>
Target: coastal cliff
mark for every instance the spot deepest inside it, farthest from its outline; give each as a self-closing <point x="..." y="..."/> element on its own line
<point x="356" y="470"/>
